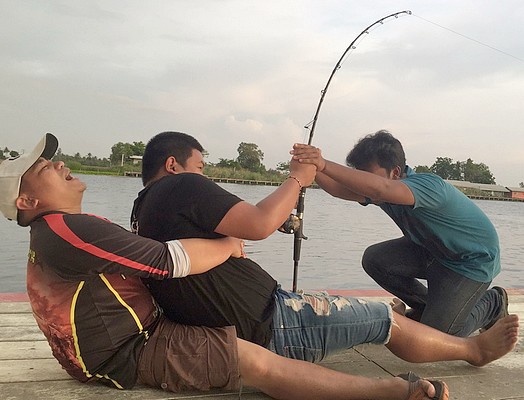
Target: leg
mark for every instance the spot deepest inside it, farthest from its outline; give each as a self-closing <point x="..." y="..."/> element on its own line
<point x="415" y="342"/>
<point x="456" y="304"/>
<point x="178" y="357"/>
<point x="395" y="265"/>
<point x="311" y="326"/>
<point x="283" y="378"/>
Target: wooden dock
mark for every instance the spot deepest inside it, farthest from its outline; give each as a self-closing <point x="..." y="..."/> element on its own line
<point x="28" y="371"/>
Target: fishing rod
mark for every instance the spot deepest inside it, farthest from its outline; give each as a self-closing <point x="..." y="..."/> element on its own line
<point x="295" y="223"/>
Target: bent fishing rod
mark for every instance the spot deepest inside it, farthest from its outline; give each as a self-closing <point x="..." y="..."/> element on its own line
<point x="295" y="223"/>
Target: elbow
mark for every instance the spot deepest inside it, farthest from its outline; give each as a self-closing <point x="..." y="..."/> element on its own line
<point x="259" y="233"/>
<point x="379" y="194"/>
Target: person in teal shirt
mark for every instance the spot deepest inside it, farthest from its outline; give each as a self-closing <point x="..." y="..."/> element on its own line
<point x="447" y="239"/>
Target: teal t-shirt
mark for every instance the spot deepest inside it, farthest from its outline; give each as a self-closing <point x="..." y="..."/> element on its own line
<point x="449" y="225"/>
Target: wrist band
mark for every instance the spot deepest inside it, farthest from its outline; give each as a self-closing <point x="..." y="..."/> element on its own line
<point x="295" y="178"/>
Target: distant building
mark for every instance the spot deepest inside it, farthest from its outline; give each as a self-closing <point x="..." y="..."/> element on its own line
<point x="481" y="189"/>
<point x="136" y="159"/>
<point x="516" y="192"/>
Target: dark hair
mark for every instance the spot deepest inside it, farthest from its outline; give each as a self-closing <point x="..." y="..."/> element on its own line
<point x="166" y="144"/>
<point x="380" y="148"/>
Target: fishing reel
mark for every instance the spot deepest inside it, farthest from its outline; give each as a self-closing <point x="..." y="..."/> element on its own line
<point x="290" y="225"/>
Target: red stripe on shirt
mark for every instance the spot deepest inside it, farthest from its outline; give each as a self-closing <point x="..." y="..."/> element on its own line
<point x="57" y="224"/>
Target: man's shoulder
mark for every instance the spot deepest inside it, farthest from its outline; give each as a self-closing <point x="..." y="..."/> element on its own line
<point x="182" y="180"/>
<point x="424" y="179"/>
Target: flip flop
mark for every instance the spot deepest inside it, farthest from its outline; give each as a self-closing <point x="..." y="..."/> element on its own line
<point x="398" y="306"/>
<point x="416" y="392"/>
<point x="504" y="310"/>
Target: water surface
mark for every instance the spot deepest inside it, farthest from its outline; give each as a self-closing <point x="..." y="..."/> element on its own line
<point x="338" y="232"/>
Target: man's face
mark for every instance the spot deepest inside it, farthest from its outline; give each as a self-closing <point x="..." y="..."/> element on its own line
<point x="194" y="164"/>
<point x="376" y="169"/>
<point x="53" y="186"/>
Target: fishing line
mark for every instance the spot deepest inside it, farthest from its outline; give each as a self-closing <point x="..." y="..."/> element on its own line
<point x="294" y="224"/>
<point x="469" y="38"/>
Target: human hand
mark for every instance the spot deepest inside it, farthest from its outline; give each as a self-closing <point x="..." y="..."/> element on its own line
<point x="237" y="247"/>
<point x="306" y="154"/>
<point x="305" y="173"/>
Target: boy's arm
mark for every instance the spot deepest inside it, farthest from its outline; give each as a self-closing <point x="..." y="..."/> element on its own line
<point x="205" y="254"/>
<point x="353" y="184"/>
<point x="80" y="246"/>
<point x="255" y="222"/>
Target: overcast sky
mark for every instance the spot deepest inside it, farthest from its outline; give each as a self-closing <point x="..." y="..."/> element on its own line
<point x="448" y="81"/>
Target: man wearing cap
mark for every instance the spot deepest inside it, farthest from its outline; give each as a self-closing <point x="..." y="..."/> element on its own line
<point x="83" y="282"/>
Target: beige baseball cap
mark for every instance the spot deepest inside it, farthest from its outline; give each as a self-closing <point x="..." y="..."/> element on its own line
<point x="12" y="169"/>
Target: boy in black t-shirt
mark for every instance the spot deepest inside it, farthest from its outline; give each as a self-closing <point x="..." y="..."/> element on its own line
<point x="178" y="202"/>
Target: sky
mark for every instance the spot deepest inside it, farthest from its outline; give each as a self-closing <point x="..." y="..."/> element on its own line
<point x="447" y="80"/>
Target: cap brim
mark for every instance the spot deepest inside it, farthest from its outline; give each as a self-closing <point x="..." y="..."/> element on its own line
<point x="12" y="170"/>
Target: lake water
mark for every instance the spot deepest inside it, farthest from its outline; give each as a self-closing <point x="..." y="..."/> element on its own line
<point x="338" y="233"/>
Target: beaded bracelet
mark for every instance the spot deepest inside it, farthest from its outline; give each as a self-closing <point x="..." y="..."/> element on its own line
<point x="295" y="178"/>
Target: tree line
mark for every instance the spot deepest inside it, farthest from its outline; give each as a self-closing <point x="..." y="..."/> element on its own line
<point x="467" y="170"/>
<point x="249" y="164"/>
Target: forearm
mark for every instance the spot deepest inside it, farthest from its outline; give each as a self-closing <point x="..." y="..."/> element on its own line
<point x="353" y="184"/>
<point x="256" y="222"/>
<point x="205" y="254"/>
<point x="336" y="189"/>
<point x="277" y="207"/>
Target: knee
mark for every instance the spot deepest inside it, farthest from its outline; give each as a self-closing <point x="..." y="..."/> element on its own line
<point x="370" y="262"/>
<point x="255" y="363"/>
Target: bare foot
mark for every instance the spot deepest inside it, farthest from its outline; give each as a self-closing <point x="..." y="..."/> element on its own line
<point x="398" y="306"/>
<point x="497" y="341"/>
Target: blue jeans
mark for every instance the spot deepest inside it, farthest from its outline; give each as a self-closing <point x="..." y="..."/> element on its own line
<point x="450" y="303"/>
<point x="311" y="326"/>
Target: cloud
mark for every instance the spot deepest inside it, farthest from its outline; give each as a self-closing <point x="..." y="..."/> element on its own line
<point x="446" y="80"/>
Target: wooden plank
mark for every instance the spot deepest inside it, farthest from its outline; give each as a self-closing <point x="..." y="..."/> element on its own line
<point x="11" y="307"/>
<point x="25" y="350"/>
<point x="20" y="333"/>
<point x="16" y="319"/>
<point x="72" y="390"/>
<point x="31" y="370"/>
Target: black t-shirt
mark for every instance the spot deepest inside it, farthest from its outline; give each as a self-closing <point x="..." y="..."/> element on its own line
<point x="238" y="292"/>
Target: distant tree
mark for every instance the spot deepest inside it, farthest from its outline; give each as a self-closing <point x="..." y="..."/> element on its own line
<point x="120" y="151"/>
<point x="422" y="169"/>
<point x="446" y="168"/>
<point x="250" y="157"/>
<point x="14" y="153"/>
<point x="283" y="167"/>
<point x="74" y="165"/>
<point x="521" y="184"/>
<point x="138" y="148"/>
<point x="225" y="163"/>
<point x="477" y="173"/>
<point x="467" y="170"/>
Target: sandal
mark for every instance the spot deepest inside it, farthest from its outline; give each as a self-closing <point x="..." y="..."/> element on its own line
<point x="416" y="392"/>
